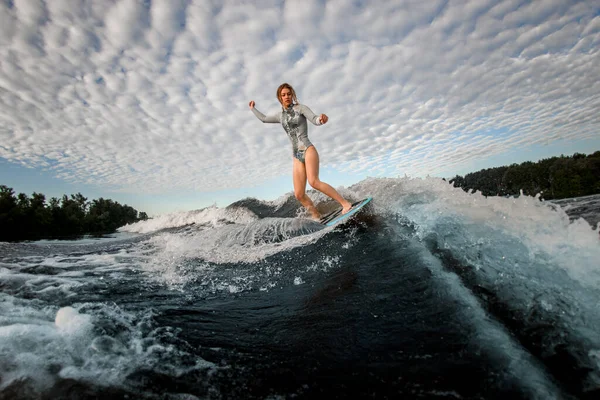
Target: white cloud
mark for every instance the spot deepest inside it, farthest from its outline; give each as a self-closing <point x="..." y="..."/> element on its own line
<point x="154" y="99"/>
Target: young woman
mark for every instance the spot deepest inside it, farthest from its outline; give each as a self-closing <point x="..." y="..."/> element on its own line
<point x="305" y="157"/>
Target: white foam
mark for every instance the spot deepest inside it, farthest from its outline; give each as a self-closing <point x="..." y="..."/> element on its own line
<point x="30" y="342"/>
<point x="197" y="257"/>
<point x="213" y="216"/>
<point x="69" y="272"/>
<point x="225" y="244"/>
<point x="69" y="321"/>
<point x="541" y="226"/>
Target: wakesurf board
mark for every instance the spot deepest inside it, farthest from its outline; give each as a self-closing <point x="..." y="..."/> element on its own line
<point x="335" y="217"/>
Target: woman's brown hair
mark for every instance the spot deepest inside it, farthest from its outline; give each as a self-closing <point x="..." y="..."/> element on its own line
<point x="286" y="86"/>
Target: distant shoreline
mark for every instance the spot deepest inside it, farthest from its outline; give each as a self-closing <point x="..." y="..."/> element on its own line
<point x="24" y="218"/>
<point x="552" y="178"/>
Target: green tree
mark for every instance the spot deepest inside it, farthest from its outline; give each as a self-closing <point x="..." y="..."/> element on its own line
<point x="8" y="207"/>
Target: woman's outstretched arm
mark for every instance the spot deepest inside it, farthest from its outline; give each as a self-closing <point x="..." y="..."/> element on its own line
<point x="272" y="119"/>
<point x="312" y="117"/>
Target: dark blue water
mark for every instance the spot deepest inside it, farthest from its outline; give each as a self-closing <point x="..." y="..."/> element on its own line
<point x="431" y="292"/>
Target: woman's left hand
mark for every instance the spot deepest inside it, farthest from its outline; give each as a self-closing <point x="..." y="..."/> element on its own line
<point x="323" y="119"/>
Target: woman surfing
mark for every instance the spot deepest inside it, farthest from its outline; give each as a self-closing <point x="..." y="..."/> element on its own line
<point x="304" y="154"/>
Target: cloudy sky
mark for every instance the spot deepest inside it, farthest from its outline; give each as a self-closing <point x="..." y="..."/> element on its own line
<point x="146" y="101"/>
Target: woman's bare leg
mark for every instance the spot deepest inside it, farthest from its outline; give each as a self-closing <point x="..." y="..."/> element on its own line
<point x="299" y="176"/>
<point x="311" y="158"/>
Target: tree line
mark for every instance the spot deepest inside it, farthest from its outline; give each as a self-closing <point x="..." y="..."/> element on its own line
<point x="30" y="218"/>
<point x="554" y="178"/>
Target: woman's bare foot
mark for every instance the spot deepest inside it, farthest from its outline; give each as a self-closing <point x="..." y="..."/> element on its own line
<point x="346" y="207"/>
<point x="316" y="215"/>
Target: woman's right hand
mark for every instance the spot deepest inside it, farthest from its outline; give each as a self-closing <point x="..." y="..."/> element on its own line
<point x="251" y="104"/>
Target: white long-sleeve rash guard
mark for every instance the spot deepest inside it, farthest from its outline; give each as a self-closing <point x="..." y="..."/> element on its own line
<point x="293" y="119"/>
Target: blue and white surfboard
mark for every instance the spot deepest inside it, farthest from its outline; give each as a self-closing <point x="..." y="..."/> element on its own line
<point x="336" y="217"/>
